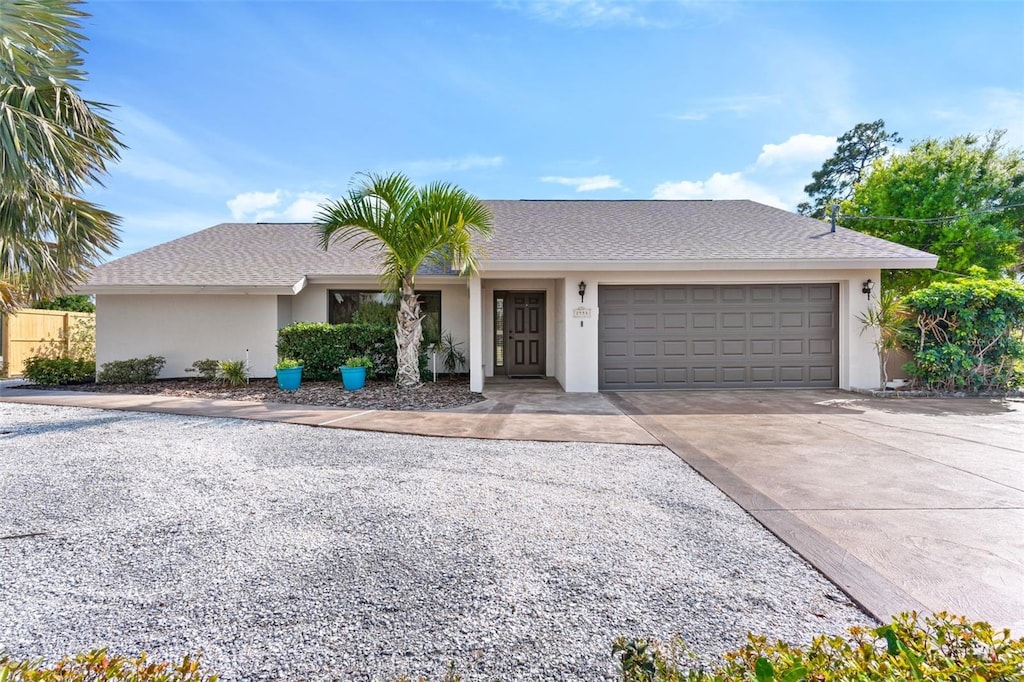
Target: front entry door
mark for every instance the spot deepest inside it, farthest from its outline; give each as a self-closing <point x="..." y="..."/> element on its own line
<point x="526" y="341"/>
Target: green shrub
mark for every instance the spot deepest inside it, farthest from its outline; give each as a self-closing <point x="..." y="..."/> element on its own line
<point x="942" y="647"/>
<point x="59" y="371"/>
<point x="133" y="371"/>
<point x="325" y="347"/>
<point x="76" y="303"/>
<point x="969" y="334"/>
<point x="206" y="370"/>
<point x="98" y="665"/>
<point x="233" y="372"/>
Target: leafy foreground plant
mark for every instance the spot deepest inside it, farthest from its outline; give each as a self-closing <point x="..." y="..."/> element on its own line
<point x="941" y="647"/>
<point x="97" y="665"/>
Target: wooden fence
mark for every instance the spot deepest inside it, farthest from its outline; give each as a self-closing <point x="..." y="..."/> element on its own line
<point x="31" y="332"/>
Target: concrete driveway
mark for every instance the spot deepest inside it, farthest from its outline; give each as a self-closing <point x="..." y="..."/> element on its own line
<point x="906" y="504"/>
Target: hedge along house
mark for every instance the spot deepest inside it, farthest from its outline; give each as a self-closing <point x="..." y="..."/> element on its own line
<point x="601" y="295"/>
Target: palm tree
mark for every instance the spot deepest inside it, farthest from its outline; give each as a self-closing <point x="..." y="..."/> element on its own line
<point x="53" y="144"/>
<point x="410" y="227"/>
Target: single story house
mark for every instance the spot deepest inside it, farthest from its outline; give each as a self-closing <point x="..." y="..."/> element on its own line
<point x="601" y="295"/>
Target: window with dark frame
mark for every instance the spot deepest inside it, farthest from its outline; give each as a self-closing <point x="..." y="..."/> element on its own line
<point x="349" y="305"/>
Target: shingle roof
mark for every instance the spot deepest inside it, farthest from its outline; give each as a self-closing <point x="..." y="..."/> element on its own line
<point x="281" y="254"/>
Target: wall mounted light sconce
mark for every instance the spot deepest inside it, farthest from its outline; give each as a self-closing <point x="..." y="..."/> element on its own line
<point x="867" y="288"/>
<point x="583" y="290"/>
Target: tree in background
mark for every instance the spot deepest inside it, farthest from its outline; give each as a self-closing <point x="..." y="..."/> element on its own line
<point x="856" y="151"/>
<point x="410" y="227"/>
<point x="53" y="144"/>
<point x="958" y="199"/>
<point x="76" y="303"/>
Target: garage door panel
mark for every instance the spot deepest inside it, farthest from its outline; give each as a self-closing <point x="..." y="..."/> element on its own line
<point x="718" y="336"/>
<point x="645" y="348"/>
<point x="734" y="347"/>
<point x="704" y="320"/>
<point x="615" y="321"/>
<point x="820" y="320"/>
<point x="734" y="320"/>
<point x="734" y="375"/>
<point x="674" y="320"/>
<point x="643" y="295"/>
<point x="674" y="348"/>
<point x="675" y="375"/>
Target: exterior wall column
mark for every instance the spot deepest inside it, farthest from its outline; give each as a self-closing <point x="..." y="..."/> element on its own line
<point x="581" y="345"/>
<point x="862" y="367"/>
<point x="476" y="335"/>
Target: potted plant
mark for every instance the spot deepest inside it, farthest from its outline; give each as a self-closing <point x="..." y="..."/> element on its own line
<point x="289" y="374"/>
<point x="353" y="372"/>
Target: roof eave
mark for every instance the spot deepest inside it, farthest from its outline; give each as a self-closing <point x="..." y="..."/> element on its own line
<point x="225" y="289"/>
<point x="889" y="263"/>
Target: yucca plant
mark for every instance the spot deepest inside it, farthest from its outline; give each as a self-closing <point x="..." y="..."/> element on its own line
<point x="233" y="372"/>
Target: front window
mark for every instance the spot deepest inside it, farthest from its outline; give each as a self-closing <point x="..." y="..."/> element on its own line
<point x="376" y="307"/>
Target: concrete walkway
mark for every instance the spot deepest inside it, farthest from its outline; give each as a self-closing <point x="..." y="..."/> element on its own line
<point x="520" y="410"/>
<point x="904" y="504"/>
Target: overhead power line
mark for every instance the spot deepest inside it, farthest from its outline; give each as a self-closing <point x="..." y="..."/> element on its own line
<point x="939" y="219"/>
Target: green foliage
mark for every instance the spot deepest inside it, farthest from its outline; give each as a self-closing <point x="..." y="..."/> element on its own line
<point x="452" y="356"/>
<point x="964" y="176"/>
<point x="76" y="303"/>
<point x="59" y="371"/>
<point x="288" y="363"/>
<point x="205" y="370"/>
<point x="359" y="361"/>
<point x="969" y="334"/>
<point x="132" y="371"/>
<point x="941" y="647"/>
<point x="233" y="372"/>
<point x="97" y="665"/>
<point x="375" y="312"/>
<point x="412" y="227"/>
<point x="54" y="144"/>
<point x="856" y="150"/>
<point x="325" y="347"/>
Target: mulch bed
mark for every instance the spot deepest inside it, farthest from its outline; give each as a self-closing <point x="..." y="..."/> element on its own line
<point x="444" y="394"/>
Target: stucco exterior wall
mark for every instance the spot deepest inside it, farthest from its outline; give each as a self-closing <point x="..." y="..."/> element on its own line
<point x="188" y="327"/>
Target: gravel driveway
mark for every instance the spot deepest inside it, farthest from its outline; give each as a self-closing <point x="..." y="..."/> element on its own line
<point x="289" y="552"/>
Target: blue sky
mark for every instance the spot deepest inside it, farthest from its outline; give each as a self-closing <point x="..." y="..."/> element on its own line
<point x="259" y="110"/>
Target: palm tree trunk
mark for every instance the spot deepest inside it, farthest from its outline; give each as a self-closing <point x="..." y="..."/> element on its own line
<point x="408" y="334"/>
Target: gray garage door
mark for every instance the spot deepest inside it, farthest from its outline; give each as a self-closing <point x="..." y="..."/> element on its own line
<point x="749" y="336"/>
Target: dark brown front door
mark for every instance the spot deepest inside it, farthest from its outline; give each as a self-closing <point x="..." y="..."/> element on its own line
<point x="525" y="333"/>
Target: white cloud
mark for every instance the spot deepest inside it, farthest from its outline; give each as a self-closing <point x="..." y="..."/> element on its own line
<point x="738" y="105"/>
<point x="777" y="177"/>
<point x="719" y="186"/>
<point x="277" y="206"/>
<point x="586" y="12"/>
<point x="587" y="184"/>
<point x="304" y="207"/>
<point x="462" y="163"/>
<point x="253" y="205"/>
<point x="798" y="149"/>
